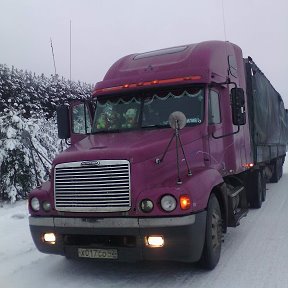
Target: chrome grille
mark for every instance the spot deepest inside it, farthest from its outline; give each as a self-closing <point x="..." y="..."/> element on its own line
<point x="92" y="186"/>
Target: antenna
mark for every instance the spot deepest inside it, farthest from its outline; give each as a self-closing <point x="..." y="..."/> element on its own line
<point x="224" y="22"/>
<point x="225" y="37"/>
<point x="70" y="50"/>
<point x="53" y="56"/>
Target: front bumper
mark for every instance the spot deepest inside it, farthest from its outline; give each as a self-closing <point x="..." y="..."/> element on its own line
<point x="184" y="236"/>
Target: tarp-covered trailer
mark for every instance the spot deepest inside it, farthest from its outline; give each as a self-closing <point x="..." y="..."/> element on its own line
<point x="268" y="120"/>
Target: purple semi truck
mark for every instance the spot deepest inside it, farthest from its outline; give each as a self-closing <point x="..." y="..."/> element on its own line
<point x="173" y="147"/>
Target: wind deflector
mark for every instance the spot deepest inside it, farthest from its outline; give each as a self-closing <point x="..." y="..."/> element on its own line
<point x="160" y="52"/>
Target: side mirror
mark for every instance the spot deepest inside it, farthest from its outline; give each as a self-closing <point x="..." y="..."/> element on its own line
<point x="63" y="122"/>
<point x="238" y="106"/>
<point x="177" y="120"/>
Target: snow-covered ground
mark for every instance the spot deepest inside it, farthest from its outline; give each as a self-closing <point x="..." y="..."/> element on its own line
<point x="255" y="254"/>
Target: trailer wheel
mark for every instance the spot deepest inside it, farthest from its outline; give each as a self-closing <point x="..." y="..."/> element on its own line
<point x="255" y="189"/>
<point x="277" y="171"/>
<point x="280" y="168"/>
<point x="213" y="237"/>
<point x="264" y="182"/>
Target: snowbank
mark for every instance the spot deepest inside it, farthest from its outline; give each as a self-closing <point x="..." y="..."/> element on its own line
<point x="255" y="254"/>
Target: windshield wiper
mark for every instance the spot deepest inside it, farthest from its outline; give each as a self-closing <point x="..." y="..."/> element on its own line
<point x="107" y="131"/>
<point x="155" y="126"/>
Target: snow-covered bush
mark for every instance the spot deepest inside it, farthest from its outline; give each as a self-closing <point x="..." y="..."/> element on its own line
<point x="17" y="162"/>
<point x="28" y="103"/>
<point x="31" y="93"/>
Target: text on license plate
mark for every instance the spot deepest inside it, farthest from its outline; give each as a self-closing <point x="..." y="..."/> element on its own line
<point x="98" y="253"/>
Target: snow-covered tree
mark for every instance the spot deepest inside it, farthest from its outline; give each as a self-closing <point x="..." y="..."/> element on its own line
<point x="31" y="93"/>
<point x="14" y="157"/>
<point x="28" y="103"/>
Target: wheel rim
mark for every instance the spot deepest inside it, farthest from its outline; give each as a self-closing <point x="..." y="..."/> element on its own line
<point x="216" y="230"/>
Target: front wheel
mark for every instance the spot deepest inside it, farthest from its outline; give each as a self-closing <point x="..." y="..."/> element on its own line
<point x="213" y="238"/>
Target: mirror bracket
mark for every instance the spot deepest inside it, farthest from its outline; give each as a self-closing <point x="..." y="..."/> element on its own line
<point x="177" y="121"/>
<point x="226" y="135"/>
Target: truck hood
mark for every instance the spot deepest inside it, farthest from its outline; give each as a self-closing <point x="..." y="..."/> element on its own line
<point x="135" y="146"/>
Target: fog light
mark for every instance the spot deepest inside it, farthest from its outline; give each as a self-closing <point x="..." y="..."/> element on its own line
<point x="46" y="206"/>
<point x="35" y="204"/>
<point x="49" y="238"/>
<point x="155" y="241"/>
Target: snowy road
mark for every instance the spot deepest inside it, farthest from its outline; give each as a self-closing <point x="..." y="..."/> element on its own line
<point x="255" y="254"/>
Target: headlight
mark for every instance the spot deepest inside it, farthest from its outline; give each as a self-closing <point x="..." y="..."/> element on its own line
<point x="146" y="205"/>
<point x="35" y="204"/>
<point x="46" y="206"/>
<point x="168" y="203"/>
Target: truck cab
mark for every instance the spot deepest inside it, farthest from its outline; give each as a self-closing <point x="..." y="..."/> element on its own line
<point x="158" y="160"/>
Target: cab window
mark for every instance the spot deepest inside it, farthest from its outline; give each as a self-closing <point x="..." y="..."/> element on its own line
<point x="81" y="123"/>
<point x="214" y="115"/>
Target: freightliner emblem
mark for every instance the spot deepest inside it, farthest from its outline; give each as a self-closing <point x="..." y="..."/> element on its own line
<point x="90" y="163"/>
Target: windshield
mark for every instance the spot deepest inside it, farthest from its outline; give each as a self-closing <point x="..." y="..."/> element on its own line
<point x="148" y="109"/>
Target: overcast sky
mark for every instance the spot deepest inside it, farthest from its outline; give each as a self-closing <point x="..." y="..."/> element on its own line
<point x="105" y="30"/>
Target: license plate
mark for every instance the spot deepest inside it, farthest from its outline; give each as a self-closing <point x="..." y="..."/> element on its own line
<point x="98" y="253"/>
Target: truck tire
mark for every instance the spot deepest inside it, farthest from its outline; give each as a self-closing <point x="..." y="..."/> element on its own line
<point x="280" y="168"/>
<point x="264" y="186"/>
<point x="256" y="189"/>
<point x="213" y="237"/>
<point x="277" y="171"/>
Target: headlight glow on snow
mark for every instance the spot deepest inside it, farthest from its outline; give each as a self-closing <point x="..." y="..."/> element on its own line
<point x="35" y="204"/>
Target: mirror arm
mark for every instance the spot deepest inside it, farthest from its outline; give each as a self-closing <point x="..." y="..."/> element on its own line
<point x="228" y="134"/>
<point x="227" y="82"/>
<point x="68" y="142"/>
<point x="233" y="83"/>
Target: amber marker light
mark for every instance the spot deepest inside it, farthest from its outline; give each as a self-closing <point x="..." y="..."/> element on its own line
<point x="147" y="83"/>
<point x="185" y="202"/>
<point x="195" y="77"/>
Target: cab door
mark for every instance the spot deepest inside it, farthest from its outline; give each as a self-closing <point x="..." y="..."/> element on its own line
<point x="215" y="127"/>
